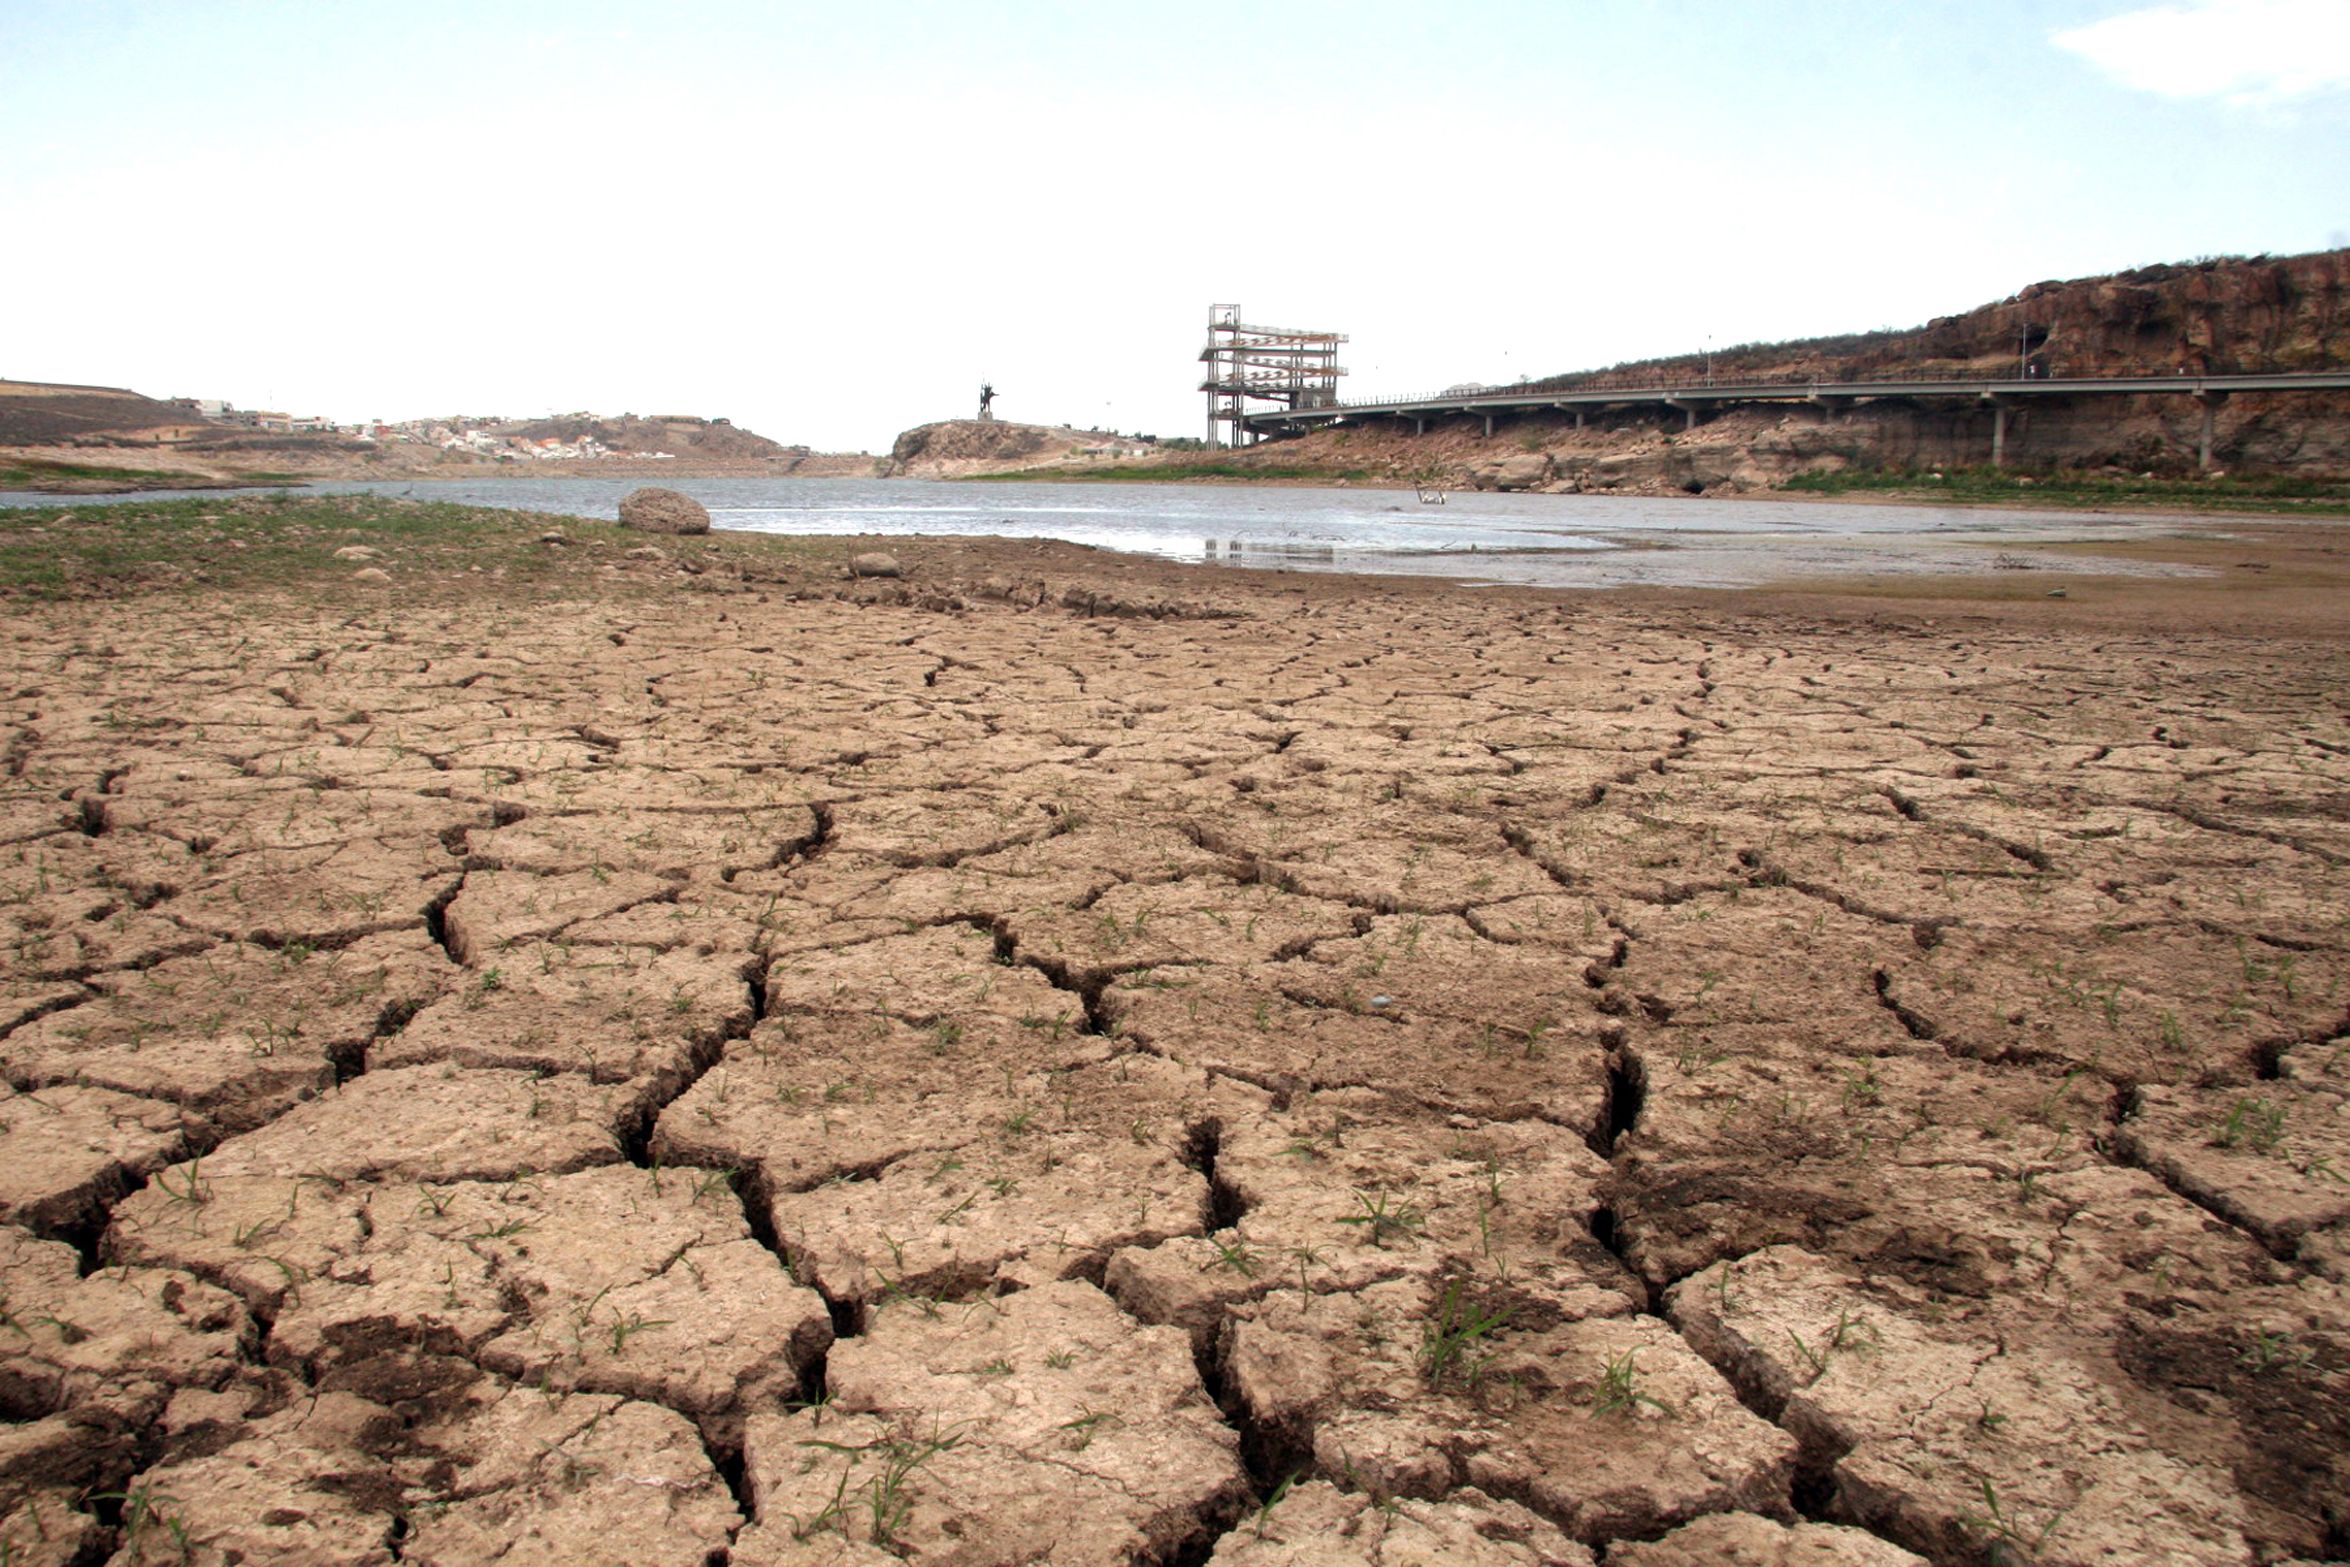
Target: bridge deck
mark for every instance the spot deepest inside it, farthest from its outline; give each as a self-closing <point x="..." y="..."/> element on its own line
<point x="1691" y="394"/>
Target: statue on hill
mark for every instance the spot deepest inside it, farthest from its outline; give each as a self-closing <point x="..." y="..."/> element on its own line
<point x="987" y="401"/>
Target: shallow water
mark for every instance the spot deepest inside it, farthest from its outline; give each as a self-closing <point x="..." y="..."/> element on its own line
<point x="1532" y="540"/>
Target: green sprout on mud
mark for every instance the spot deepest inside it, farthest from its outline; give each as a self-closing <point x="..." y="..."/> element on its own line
<point x="1618" y="1392"/>
<point x="191" y="1189"/>
<point x="2274" y="1352"/>
<point x="1306" y="1256"/>
<point x="713" y="1182"/>
<point x="1273" y="1499"/>
<point x="884" y="1498"/>
<point x="623" y="1330"/>
<point x="142" y="1514"/>
<point x="2003" y="1532"/>
<point x="1234" y="1254"/>
<point x="1381" y="1220"/>
<point x="2251" y="1122"/>
<point x="1084" y="1427"/>
<point x="1452" y="1341"/>
<point x="1848" y="1334"/>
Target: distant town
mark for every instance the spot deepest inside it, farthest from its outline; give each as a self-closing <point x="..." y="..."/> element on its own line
<point x="488" y="435"/>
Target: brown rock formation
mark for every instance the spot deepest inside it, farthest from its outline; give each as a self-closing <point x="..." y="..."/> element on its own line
<point x="956" y="447"/>
<point x="2232" y="315"/>
<point x="655" y="510"/>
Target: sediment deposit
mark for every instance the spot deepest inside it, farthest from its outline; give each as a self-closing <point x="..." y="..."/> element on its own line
<point x="1036" y="1059"/>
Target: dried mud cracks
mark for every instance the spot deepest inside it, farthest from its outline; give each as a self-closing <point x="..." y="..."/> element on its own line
<point x="1354" y="1078"/>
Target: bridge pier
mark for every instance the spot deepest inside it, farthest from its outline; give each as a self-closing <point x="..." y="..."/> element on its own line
<point x="2210" y="402"/>
<point x="1578" y="418"/>
<point x="1688" y="412"/>
<point x="1998" y="433"/>
<point x="1419" y="426"/>
<point x="1489" y="427"/>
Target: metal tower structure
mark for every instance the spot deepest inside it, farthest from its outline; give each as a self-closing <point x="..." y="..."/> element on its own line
<point x="1264" y="364"/>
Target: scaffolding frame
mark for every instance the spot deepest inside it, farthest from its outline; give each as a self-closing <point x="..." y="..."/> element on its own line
<point x="1266" y="364"/>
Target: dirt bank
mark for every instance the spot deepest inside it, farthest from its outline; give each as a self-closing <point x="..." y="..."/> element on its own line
<point x="656" y="1050"/>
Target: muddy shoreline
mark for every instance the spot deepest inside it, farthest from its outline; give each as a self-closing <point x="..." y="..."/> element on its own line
<point x="673" y="1051"/>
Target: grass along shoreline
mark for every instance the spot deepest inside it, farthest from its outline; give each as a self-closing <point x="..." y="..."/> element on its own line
<point x="285" y="540"/>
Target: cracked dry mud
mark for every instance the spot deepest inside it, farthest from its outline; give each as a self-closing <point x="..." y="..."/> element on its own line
<point x="1342" y="1074"/>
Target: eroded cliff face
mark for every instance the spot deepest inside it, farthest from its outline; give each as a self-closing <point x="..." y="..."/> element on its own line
<point x="2231" y="316"/>
<point x="2210" y="317"/>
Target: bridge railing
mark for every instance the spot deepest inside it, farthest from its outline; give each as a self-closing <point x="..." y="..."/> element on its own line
<point x="1657" y="383"/>
<point x="1723" y="386"/>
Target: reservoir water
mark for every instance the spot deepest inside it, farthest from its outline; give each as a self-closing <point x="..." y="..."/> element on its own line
<point x="1533" y="540"/>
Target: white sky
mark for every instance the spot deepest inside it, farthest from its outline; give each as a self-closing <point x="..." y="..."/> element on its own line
<point x="830" y="222"/>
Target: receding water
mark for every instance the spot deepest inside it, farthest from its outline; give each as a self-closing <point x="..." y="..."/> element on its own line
<point x="1534" y="540"/>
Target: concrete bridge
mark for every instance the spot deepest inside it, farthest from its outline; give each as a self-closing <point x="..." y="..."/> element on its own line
<point x="1690" y="398"/>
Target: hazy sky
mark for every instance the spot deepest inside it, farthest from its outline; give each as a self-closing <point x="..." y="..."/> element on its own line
<point x="829" y="222"/>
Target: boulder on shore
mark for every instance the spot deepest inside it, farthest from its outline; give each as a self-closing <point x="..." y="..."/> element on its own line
<point x="1522" y="471"/>
<point x="874" y="563"/>
<point x="652" y="510"/>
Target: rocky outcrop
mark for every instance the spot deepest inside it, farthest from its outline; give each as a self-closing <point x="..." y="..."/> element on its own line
<point x="957" y="447"/>
<point x="653" y="510"/>
<point x="2228" y="315"/>
<point x="689" y="436"/>
<point x="962" y="440"/>
<point x="1525" y="471"/>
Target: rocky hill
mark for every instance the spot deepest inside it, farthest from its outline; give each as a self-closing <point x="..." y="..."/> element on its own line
<point x="95" y="438"/>
<point x="677" y="435"/>
<point x="954" y="448"/>
<point x="2229" y="315"/>
<point x="40" y="413"/>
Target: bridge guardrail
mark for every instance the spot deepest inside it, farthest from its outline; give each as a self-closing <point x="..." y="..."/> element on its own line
<point x="1647" y="386"/>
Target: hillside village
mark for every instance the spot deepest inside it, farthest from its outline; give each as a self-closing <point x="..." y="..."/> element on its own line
<point x="75" y="437"/>
<point x="490" y="435"/>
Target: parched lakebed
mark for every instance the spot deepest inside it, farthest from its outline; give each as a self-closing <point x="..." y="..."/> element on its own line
<point x="1036" y="1061"/>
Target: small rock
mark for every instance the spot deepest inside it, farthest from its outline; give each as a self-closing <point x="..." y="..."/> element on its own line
<point x="553" y="536"/>
<point x="873" y="563"/>
<point x="371" y="574"/>
<point x="653" y="510"/>
<point x="358" y="552"/>
<point x="646" y="552"/>
<point x="1747" y="1537"/>
<point x="2056" y="593"/>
